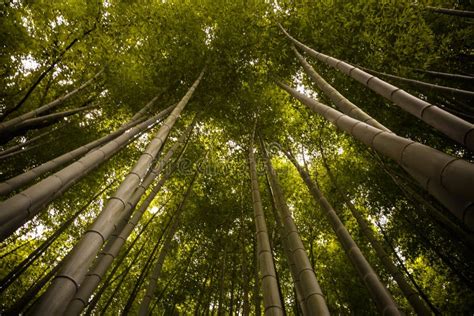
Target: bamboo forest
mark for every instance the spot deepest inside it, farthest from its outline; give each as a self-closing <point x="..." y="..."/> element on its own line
<point x="166" y="157"/>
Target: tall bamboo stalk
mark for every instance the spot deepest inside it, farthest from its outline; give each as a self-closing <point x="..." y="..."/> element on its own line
<point x="382" y="297"/>
<point x="451" y="125"/>
<point x="347" y="107"/>
<point x="460" y="13"/>
<point x="299" y="300"/>
<point x="23" y="206"/>
<point x="22" y="145"/>
<point x="271" y="296"/>
<point x="156" y="272"/>
<point x="111" y="277"/>
<point x="114" y="245"/>
<point x="430" y="86"/>
<point x="42" y="122"/>
<point x="68" y="279"/>
<point x="410" y="294"/>
<point x="21" y="180"/>
<point x="35" y="254"/>
<point x="339" y="100"/>
<point x="145" y="268"/>
<point x="454" y="175"/>
<point x="310" y="290"/>
<point x="446" y="75"/>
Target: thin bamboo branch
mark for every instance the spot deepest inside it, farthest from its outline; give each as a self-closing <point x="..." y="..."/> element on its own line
<point x="8" y="125"/>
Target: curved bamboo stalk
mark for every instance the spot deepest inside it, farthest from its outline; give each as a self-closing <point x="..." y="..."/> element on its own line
<point x="184" y="269"/>
<point x="23" y="206"/>
<point x="410" y="294"/>
<point x="311" y="293"/>
<point x="21" y="180"/>
<point x="271" y="296"/>
<point x="452" y="126"/>
<point x="8" y="125"/>
<point x="65" y="285"/>
<point x="155" y="275"/>
<point x="453" y="91"/>
<point x="454" y="175"/>
<point x="115" y="243"/>
<point x="382" y="297"/>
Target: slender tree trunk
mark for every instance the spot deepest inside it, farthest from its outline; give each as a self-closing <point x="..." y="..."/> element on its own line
<point x="43" y="75"/>
<point x="155" y="275"/>
<point x="445" y="75"/>
<point x="232" y="289"/>
<point x="460" y="13"/>
<point x="11" y="251"/>
<point x="271" y="294"/>
<point x="300" y="301"/>
<point x="23" y="206"/>
<point x="184" y="271"/>
<point x="430" y="209"/>
<point x="144" y="271"/>
<point x="41" y="122"/>
<point x="25" y="301"/>
<point x="16" y="182"/>
<point x="22" y="266"/>
<point x="110" y="278"/>
<point x="422" y="84"/>
<point x="220" y="301"/>
<point x="22" y="145"/>
<point x="22" y="151"/>
<point x="452" y="126"/>
<point x="454" y="175"/>
<point x="114" y="245"/>
<point x="410" y="294"/>
<point x="421" y="293"/>
<point x="256" y="286"/>
<point x="203" y="289"/>
<point x="346" y="106"/>
<point x="311" y="292"/>
<point x="5" y="127"/>
<point x="64" y="286"/>
<point x="245" y="276"/>
<point x="382" y="297"/>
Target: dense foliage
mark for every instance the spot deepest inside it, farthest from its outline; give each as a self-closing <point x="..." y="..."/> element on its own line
<point x="150" y="48"/>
